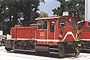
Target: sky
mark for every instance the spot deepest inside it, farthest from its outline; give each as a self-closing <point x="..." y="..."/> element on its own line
<point x="48" y="6"/>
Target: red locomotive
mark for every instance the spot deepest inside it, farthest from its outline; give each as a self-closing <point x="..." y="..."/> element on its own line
<point x="85" y="35"/>
<point x="85" y="28"/>
<point x="55" y="35"/>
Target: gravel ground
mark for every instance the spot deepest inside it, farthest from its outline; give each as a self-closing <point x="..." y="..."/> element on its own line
<point x="4" y="55"/>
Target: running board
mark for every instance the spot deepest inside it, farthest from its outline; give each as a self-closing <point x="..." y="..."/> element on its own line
<point x="24" y="50"/>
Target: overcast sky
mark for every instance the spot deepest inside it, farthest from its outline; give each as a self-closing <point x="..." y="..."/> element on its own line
<point x="48" y="6"/>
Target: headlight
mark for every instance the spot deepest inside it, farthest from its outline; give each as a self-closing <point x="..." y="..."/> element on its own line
<point x="60" y="36"/>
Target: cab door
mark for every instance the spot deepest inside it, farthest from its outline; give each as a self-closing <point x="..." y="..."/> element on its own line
<point x="51" y="30"/>
<point x="62" y="28"/>
<point x="62" y="25"/>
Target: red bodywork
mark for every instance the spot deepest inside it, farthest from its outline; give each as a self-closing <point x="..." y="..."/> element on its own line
<point x="44" y="36"/>
<point x="85" y="31"/>
<point x="20" y="32"/>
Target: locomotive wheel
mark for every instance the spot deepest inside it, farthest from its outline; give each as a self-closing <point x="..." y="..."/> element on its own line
<point x="61" y="50"/>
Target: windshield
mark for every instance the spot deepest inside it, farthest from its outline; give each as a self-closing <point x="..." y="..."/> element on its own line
<point x="42" y="24"/>
<point x="74" y="24"/>
<point x="62" y="23"/>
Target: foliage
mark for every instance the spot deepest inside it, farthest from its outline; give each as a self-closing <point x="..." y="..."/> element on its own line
<point x="74" y="7"/>
<point x="43" y="14"/>
<point x="14" y="12"/>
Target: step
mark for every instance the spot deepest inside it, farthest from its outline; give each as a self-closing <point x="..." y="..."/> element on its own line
<point x="53" y="52"/>
<point x="53" y="48"/>
<point x="89" y="47"/>
<point x="85" y="49"/>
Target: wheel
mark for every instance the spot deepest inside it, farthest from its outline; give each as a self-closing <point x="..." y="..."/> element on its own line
<point x="61" y="50"/>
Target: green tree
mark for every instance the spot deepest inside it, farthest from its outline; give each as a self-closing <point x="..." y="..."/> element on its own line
<point x="43" y="14"/>
<point x="74" y="7"/>
<point x="10" y="12"/>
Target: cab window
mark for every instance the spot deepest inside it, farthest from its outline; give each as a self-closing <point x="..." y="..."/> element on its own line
<point x="39" y="24"/>
<point x="80" y="25"/>
<point x="74" y="24"/>
<point x="62" y="23"/>
<point x="42" y="24"/>
<point x="52" y="26"/>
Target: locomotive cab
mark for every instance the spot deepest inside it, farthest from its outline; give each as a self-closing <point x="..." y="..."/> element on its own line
<point x="61" y="29"/>
<point x="57" y="31"/>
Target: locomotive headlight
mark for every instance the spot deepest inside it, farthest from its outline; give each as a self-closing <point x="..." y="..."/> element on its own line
<point x="60" y="36"/>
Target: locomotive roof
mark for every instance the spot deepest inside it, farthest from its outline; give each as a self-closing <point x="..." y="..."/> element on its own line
<point x="53" y="17"/>
<point x="46" y="18"/>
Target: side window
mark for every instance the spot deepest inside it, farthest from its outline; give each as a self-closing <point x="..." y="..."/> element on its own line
<point x="42" y="24"/>
<point x="39" y="24"/>
<point x="52" y="25"/>
<point x="74" y="24"/>
<point x="62" y="23"/>
<point x="45" y="24"/>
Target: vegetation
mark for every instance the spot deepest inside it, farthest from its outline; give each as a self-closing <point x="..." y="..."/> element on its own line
<point x="14" y="12"/>
<point x="74" y="7"/>
<point x="24" y="12"/>
<point x="43" y="14"/>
